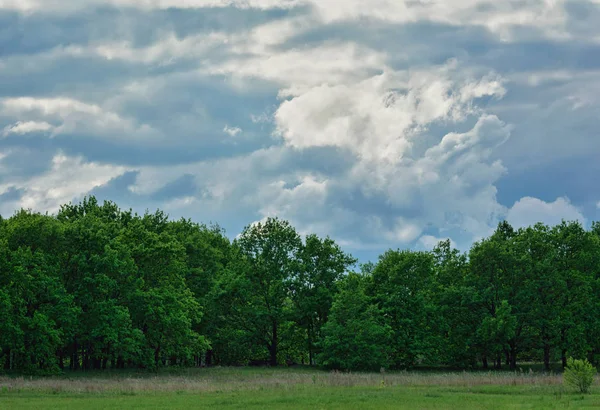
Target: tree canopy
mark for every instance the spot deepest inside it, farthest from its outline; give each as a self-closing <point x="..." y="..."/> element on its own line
<point x="97" y="287"/>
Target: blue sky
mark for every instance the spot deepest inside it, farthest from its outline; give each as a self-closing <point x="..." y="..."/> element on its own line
<point x="383" y="124"/>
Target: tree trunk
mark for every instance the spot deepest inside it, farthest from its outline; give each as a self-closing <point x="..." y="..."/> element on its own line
<point x="310" y="352"/>
<point x="156" y="356"/>
<point x="209" y="354"/>
<point x="120" y="362"/>
<point x="7" y="359"/>
<point x="485" y="362"/>
<point x="546" y="357"/>
<point x="513" y="356"/>
<point x="310" y="345"/>
<point x="84" y="359"/>
<point x="75" y="357"/>
<point x="563" y="357"/>
<point x="273" y="347"/>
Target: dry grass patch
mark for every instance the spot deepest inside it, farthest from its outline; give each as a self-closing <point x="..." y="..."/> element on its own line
<point x="227" y="380"/>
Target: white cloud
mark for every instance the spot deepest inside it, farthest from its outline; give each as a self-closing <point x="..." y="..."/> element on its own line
<point x="529" y="211"/>
<point x="68" y="178"/>
<point x="232" y="131"/>
<point x="166" y="51"/>
<point x="74" y="5"/>
<point x="295" y="70"/>
<point x="403" y="230"/>
<point x="73" y="116"/>
<point x="421" y="139"/>
<point x="501" y="18"/>
<point x="48" y="106"/>
<point x="26" y="127"/>
<point x="384" y="121"/>
<point x="428" y="242"/>
<point x="374" y="119"/>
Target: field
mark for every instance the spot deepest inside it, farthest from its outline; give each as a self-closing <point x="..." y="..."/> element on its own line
<point x="248" y="388"/>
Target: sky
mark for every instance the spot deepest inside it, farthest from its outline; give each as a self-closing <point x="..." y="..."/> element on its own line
<point x="382" y="124"/>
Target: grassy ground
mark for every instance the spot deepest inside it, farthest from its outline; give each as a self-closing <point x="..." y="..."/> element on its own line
<point x="293" y="388"/>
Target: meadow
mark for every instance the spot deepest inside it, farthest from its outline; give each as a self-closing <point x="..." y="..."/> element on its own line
<point x="236" y="388"/>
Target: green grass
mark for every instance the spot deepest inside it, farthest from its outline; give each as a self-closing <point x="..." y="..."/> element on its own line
<point x="293" y="388"/>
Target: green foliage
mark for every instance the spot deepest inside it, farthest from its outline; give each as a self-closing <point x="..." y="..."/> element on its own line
<point x="401" y="285"/>
<point x="356" y="337"/>
<point x="579" y="374"/>
<point x="314" y="285"/>
<point x="97" y="287"/>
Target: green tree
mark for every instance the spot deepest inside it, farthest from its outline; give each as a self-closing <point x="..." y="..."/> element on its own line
<point x="577" y="263"/>
<point x="535" y="253"/>
<point x="356" y="337"/>
<point x="314" y="285"/>
<point x="208" y="252"/>
<point x="456" y="303"/>
<point x="402" y="283"/>
<point x="162" y="305"/>
<point x="495" y="275"/>
<point x="268" y="253"/>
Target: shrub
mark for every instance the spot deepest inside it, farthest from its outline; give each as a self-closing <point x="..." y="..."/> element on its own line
<point x="579" y="374"/>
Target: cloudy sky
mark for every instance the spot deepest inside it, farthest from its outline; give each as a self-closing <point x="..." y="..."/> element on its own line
<point x="387" y="123"/>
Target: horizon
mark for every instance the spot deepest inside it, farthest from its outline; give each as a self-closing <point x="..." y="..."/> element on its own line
<point x="362" y="257"/>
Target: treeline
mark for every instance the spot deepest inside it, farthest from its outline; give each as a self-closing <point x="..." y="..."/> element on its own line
<point x="97" y="287"/>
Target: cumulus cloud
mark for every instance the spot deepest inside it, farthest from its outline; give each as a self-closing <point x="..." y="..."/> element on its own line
<point x="373" y="117"/>
<point x="529" y="211"/>
<point x="382" y="126"/>
<point x="384" y="120"/>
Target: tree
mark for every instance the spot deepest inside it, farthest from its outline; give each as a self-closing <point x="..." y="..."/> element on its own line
<point x="269" y="261"/>
<point x="456" y="303"/>
<point x="577" y="263"/>
<point x="162" y="305"/>
<point x="356" y="337"/>
<point x="314" y="285"/>
<point x="96" y="287"/>
<point x="494" y="274"/>
<point x="536" y="254"/>
<point x="401" y="286"/>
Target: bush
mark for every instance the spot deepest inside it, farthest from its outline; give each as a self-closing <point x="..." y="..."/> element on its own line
<point x="579" y="374"/>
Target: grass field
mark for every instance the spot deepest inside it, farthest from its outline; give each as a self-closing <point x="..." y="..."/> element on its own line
<point x="247" y="388"/>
